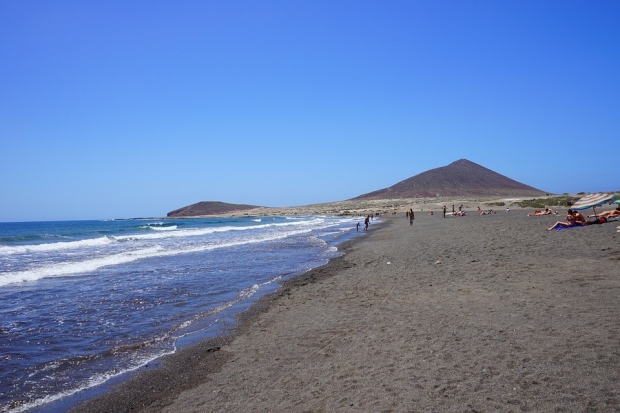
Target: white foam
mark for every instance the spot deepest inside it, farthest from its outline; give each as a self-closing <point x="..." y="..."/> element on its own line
<point x="93" y="264"/>
<point x="170" y="228"/>
<point x="82" y="267"/>
<point x="92" y="382"/>
<point x="206" y="231"/>
<point x="159" y="233"/>
<point x="248" y="292"/>
<point x="185" y="324"/>
<point x="158" y="226"/>
<point x="55" y="246"/>
<point x="73" y="268"/>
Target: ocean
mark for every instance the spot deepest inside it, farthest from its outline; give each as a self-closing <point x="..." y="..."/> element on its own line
<point x="85" y="302"/>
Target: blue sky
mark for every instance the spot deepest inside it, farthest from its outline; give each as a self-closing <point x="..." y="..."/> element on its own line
<point x="134" y="108"/>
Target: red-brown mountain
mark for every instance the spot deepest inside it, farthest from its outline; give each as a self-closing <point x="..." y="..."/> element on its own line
<point x="460" y="178"/>
<point x="208" y="208"/>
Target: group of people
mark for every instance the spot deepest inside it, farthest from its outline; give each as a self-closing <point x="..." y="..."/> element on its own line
<point x="460" y="213"/>
<point x="575" y="218"/>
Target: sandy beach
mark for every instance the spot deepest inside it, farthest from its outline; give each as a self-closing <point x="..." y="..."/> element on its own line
<point x="457" y="314"/>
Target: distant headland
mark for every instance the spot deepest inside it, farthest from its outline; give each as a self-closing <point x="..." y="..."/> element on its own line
<point x="208" y="208"/>
<point x="461" y="179"/>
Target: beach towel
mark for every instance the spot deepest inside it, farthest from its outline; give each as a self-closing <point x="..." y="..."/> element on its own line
<point x="574" y="226"/>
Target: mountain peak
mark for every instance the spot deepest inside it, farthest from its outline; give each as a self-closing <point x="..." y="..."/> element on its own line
<point x="460" y="178"/>
<point x="462" y="161"/>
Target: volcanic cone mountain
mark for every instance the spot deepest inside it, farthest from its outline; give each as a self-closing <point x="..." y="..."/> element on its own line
<point x="461" y="178"/>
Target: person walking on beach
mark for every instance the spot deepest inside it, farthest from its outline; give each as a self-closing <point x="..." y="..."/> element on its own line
<point x="444" y="211"/>
<point x="366" y="222"/>
<point x="411" y="217"/>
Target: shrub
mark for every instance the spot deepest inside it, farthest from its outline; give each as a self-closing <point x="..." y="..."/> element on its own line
<point x="540" y="203"/>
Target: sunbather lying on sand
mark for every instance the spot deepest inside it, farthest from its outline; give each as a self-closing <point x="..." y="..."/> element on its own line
<point x="597" y="220"/>
<point x="573" y="218"/>
<point x="538" y="212"/>
<point x="608" y="214"/>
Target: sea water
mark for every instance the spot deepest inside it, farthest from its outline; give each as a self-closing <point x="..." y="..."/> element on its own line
<point x="82" y="302"/>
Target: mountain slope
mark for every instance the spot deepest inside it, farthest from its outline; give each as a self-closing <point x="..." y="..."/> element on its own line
<point x="208" y="208"/>
<point x="460" y="178"/>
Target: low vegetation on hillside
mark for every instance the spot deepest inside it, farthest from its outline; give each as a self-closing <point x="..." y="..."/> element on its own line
<point x="558" y="201"/>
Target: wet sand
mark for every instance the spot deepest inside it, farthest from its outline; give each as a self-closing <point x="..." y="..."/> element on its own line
<point x="475" y="313"/>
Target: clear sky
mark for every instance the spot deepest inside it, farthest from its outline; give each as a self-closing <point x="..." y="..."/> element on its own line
<point x="116" y="109"/>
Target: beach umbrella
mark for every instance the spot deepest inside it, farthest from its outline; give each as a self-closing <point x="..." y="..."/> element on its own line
<point x="593" y="200"/>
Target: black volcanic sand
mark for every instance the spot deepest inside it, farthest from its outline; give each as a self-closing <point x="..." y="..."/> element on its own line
<point x="458" y="314"/>
<point x="151" y="390"/>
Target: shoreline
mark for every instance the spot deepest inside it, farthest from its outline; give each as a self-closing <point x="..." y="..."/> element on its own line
<point x="487" y="313"/>
<point x="149" y="389"/>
